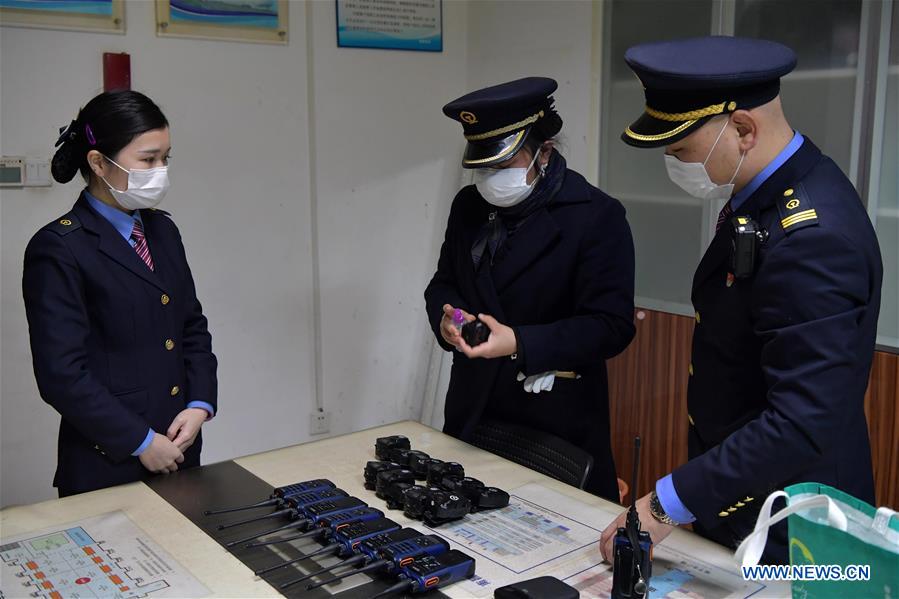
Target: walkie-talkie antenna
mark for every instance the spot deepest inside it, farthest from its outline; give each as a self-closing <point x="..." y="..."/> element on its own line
<point x="397" y="589"/>
<point x="276" y="514"/>
<point x="376" y="565"/>
<point x="318" y="532"/>
<point x="263" y="503"/>
<point x="327" y="549"/>
<point x="635" y="471"/>
<point x="357" y="559"/>
<point x="271" y="531"/>
<point x="632" y="511"/>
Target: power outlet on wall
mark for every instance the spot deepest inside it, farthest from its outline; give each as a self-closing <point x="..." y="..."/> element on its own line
<point x="319" y="422"/>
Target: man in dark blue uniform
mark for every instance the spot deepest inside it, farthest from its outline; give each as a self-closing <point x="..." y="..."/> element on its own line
<point x="785" y="317"/>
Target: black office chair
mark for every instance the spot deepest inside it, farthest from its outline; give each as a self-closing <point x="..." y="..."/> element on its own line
<point x="543" y="452"/>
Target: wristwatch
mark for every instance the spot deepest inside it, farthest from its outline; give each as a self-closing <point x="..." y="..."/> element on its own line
<point x="658" y="512"/>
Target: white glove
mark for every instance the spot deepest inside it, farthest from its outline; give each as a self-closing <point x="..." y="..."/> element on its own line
<point x="538" y="382"/>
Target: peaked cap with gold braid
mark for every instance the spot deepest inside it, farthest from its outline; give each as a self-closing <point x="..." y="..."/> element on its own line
<point x="687" y="82"/>
<point x="496" y="120"/>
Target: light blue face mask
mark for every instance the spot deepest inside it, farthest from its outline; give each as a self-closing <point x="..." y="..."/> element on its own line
<point x="505" y="187"/>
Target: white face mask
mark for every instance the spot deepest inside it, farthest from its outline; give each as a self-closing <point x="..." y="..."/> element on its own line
<point x="694" y="179"/>
<point x="146" y="187"/>
<point x="505" y="187"/>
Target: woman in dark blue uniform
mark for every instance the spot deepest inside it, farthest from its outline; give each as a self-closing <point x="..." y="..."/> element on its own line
<point x="546" y="260"/>
<point x="119" y="341"/>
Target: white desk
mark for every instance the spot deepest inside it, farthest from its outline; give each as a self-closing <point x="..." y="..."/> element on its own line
<point x="340" y="459"/>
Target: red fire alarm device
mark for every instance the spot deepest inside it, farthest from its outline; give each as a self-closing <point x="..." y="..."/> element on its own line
<point x="116" y="71"/>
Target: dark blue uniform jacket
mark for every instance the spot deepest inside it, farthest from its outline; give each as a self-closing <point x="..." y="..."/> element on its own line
<point x="781" y="359"/>
<point x="565" y="282"/>
<point x="99" y="320"/>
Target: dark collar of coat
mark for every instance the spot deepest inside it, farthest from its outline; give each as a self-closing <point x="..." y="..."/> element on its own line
<point x="112" y="244"/>
<point x="787" y="176"/>
<point x="574" y="190"/>
<point x="538" y="233"/>
<point x="764" y="198"/>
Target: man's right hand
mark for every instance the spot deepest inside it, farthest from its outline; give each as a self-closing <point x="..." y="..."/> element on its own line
<point x="161" y="456"/>
<point x="448" y="329"/>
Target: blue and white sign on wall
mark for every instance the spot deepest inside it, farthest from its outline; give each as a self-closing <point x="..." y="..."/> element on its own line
<point x="390" y="24"/>
<point x="81" y="15"/>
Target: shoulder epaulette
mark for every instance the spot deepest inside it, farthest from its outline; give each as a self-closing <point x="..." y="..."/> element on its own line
<point x="796" y="210"/>
<point x="65" y="224"/>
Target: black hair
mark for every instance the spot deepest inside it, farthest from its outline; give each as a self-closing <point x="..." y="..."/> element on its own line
<point x="544" y="129"/>
<point x="108" y="123"/>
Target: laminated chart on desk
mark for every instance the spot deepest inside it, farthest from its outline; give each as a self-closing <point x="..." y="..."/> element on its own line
<point x="675" y="575"/>
<point x="528" y="539"/>
<point x="105" y="556"/>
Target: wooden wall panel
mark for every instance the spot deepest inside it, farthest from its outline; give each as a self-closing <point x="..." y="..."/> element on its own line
<point x="882" y="410"/>
<point x="648" y="396"/>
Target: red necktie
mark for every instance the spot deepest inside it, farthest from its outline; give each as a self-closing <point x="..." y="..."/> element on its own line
<point x="722" y="216"/>
<point x="140" y="244"/>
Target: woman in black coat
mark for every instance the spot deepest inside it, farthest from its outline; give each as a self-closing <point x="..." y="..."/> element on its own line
<point x="546" y="260"/>
<point x="119" y="342"/>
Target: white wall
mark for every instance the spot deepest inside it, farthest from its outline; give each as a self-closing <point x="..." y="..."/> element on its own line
<point x="311" y="184"/>
<point x="384" y="161"/>
<point x="509" y="39"/>
<point x="238" y="120"/>
<point x="387" y="166"/>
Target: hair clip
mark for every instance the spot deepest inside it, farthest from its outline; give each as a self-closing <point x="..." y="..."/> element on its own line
<point x="65" y="134"/>
<point x="90" y="135"/>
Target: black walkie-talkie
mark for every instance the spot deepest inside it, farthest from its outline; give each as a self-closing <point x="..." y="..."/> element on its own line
<point x="633" y="549"/>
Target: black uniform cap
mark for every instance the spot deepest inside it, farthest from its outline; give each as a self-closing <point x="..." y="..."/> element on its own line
<point x="689" y="81"/>
<point x="496" y="120"/>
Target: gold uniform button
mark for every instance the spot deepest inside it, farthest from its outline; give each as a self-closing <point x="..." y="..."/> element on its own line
<point x="697" y="318"/>
<point x="690" y="418"/>
<point x="724" y="514"/>
<point x="65" y="222"/>
<point x="176" y="390"/>
<point x="169" y="344"/>
<point x="788" y="192"/>
<point x="691" y="369"/>
<point x="165" y="299"/>
<point x="740" y="504"/>
<point x="747" y="499"/>
<point x="731" y="509"/>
